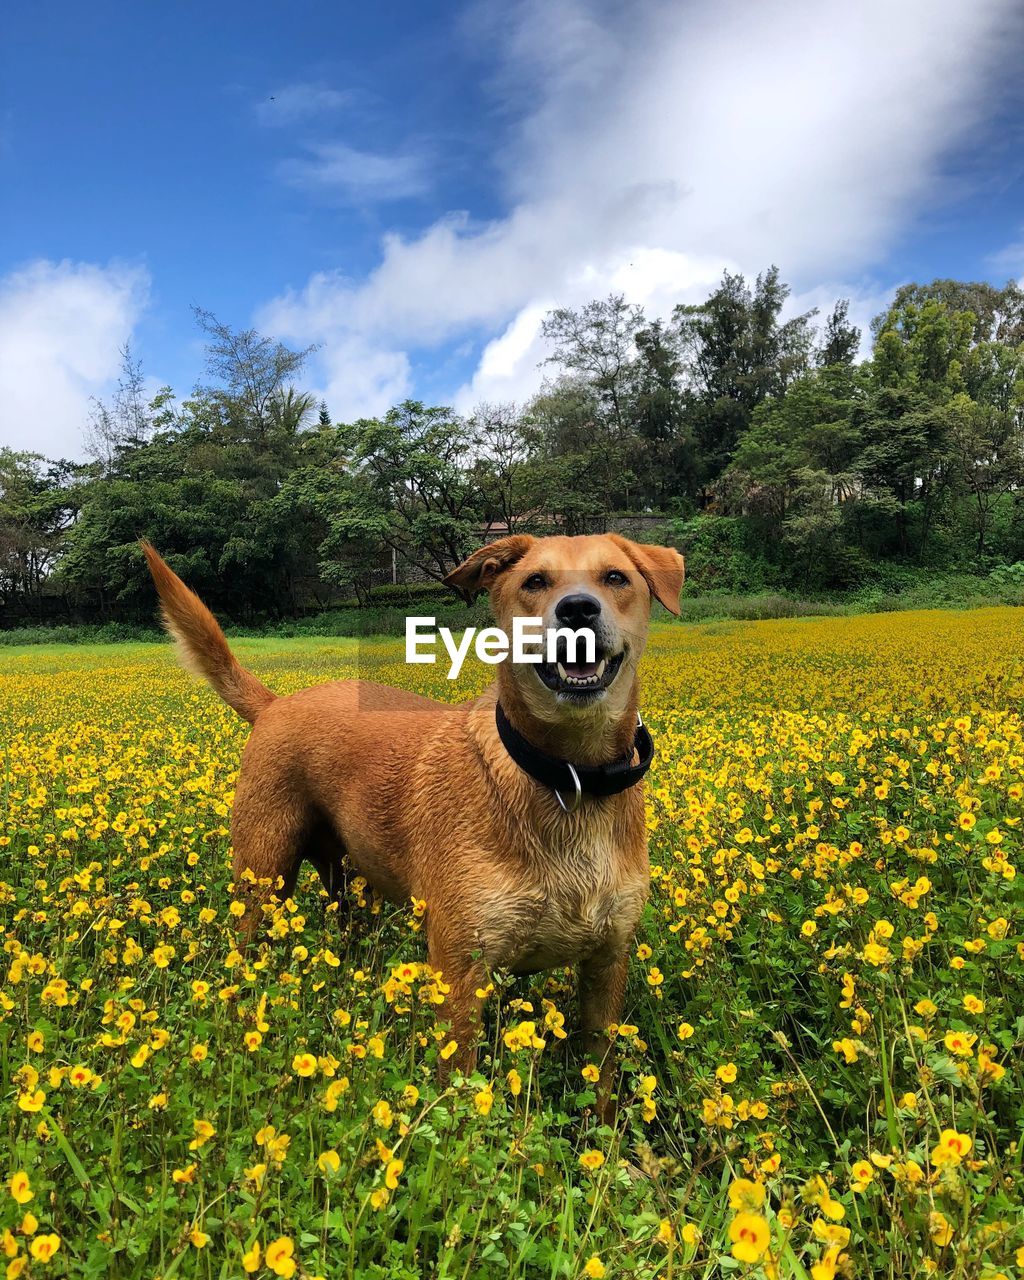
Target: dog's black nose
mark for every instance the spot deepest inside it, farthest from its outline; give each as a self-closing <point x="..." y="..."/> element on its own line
<point x="577" y="610"/>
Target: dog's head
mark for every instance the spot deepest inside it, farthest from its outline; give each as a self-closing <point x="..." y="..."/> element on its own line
<point x="605" y="584"/>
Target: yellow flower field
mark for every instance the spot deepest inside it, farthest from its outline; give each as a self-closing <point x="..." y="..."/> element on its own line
<point x="821" y="1071"/>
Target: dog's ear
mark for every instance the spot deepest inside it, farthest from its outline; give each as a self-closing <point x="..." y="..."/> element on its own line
<point x="662" y="567"/>
<point x="483" y="566"/>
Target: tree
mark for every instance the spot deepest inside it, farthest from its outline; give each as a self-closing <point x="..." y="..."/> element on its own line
<point x="920" y="354"/>
<point x="126" y="422"/>
<point x="250" y="369"/>
<point x="801" y="450"/>
<point x="988" y="448"/>
<point x="998" y="314"/>
<point x="502" y="468"/>
<point x="736" y="351"/>
<point x="840" y="340"/>
<point x="581" y="470"/>
<point x="597" y="341"/>
<point x="409" y="487"/>
<point x="289" y="410"/>
<point x="37" y="506"/>
<point x="665" y="458"/>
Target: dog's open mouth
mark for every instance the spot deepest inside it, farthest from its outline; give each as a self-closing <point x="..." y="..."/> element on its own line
<point x="581" y="679"/>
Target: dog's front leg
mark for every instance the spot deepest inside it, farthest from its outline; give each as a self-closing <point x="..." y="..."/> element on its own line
<point x="464" y="973"/>
<point x="602" y="984"/>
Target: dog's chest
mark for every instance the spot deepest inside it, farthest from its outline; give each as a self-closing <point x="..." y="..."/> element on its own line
<point x="577" y="897"/>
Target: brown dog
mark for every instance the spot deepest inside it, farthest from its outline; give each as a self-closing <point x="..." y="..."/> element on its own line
<point x="525" y="863"/>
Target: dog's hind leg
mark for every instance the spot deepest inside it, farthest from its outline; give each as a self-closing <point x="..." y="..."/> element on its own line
<point x="268" y="828"/>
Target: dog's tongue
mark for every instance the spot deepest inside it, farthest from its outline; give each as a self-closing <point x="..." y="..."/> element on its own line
<point x="581" y="670"/>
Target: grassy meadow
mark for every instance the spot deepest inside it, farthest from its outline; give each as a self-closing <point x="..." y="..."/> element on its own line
<point x="820" y="1071"/>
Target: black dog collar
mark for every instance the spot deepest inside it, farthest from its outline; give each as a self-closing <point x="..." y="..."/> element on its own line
<point x="576" y="779"/>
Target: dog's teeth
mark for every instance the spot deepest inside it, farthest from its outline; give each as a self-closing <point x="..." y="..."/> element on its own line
<point x="600" y="669"/>
<point x="562" y="672"/>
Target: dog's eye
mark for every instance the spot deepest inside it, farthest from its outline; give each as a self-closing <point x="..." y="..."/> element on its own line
<point x="615" y="578"/>
<point x="535" y="582"/>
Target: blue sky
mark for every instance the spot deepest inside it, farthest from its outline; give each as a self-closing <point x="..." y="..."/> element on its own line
<point x="412" y="185"/>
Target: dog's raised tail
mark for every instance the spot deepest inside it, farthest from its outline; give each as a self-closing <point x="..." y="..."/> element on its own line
<point x="202" y="648"/>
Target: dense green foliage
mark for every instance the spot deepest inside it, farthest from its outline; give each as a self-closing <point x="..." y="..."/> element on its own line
<point x="762" y="446"/>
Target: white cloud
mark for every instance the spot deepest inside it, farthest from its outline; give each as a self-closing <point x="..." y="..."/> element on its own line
<point x="658" y="143"/>
<point x="361" y="379"/>
<point x="61" y="326"/>
<point x="1009" y="259"/>
<point x="334" y="168"/>
<point x="298" y="102"/>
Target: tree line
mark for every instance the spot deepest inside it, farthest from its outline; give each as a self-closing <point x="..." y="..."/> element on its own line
<point x="775" y="453"/>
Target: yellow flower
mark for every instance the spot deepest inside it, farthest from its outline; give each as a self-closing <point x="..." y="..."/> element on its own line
<point x="279" y="1257"/>
<point x="816" y="1192"/>
<point x="749" y="1236"/>
<point x="951" y="1148"/>
<point x="592" y="1160"/>
<point x="392" y="1173"/>
<point x="594" y="1268"/>
<point x="826" y="1268"/>
<point x="184" y="1175"/>
<point x="334" y="1091"/>
<point x="204" y="1131"/>
<point x="329" y="1162"/>
<point x="20" y="1187"/>
<point x="684" y="1031"/>
<point x="939" y="1229"/>
<point x="988" y="1067"/>
<point x="908" y="1171"/>
<point x="251" y="1258"/>
<point x="304" y="1064"/>
<point x="744" y="1194"/>
<point x="43" y="1248"/>
<point x="484" y="1100"/>
<point x="449" y="1049"/>
<point x="726" y="1073"/>
<point x="383" y="1115"/>
<point x="198" y="1239"/>
<point x="960" y="1042"/>
<point x="973" y="1004"/>
<point x="862" y="1175"/>
<point x="847" y="1048"/>
<point x="590" y="1073"/>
